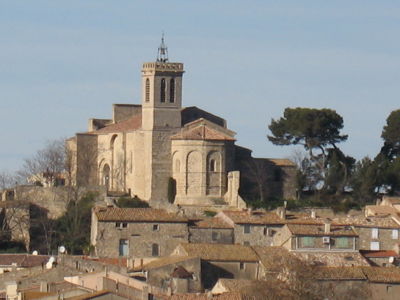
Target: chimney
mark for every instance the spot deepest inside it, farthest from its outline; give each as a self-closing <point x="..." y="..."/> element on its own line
<point x="327" y="224"/>
<point x="396" y="248"/>
<point x="44" y="287"/>
<point x="249" y="211"/>
<point x="313" y="214"/>
<point x="281" y="212"/>
<point x="11" y="290"/>
<point x="378" y="202"/>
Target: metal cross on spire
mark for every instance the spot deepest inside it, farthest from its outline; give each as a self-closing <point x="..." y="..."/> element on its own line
<point x="162" y="55"/>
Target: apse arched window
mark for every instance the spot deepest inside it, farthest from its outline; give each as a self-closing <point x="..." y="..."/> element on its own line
<point x="172" y="90"/>
<point x="162" y="90"/>
<point x="147" y="90"/>
<point x="213" y="165"/>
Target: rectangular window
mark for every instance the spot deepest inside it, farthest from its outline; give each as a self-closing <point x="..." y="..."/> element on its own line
<point x="124" y="225"/>
<point x="395" y="234"/>
<point x="246" y="228"/>
<point x="214" y="236"/>
<point x="156" y="227"/>
<point x="307" y="242"/>
<point x="374" y="246"/>
<point x="155" y="250"/>
<point x="374" y="233"/>
<point x="242" y="266"/>
<point x="123" y="247"/>
<point x="342" y="242"/>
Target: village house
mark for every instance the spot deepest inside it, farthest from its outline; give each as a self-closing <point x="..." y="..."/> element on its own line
<point x="375" y="232"/>
<point x="136" y="232"/>
<point x="313" y="237"/>
<point x="221" y="261"/>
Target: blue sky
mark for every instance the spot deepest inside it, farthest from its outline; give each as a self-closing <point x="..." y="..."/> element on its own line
<point x="63" y="62"/>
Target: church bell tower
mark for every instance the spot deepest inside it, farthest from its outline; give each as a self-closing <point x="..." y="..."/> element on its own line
<point x="161" y="92"/>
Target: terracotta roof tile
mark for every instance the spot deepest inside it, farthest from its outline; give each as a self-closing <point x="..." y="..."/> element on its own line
<point x="224" y="296"/>
<point x="339" y="273"/>
<point x="221" y="252"/>
<point x="130" y="124"/>
<point x="361" y="221"/>
<point x="163" y="261"/>
<point x="332" y="259"/>
<point x="253" y="217"/>
<point x="318" y="230"/>
<point x="381" y="253"/>
<point x="111" y="214"/>
<point x="380" y="210"/>
<point x="382" y="274"/>
<point x="270" y="255"/>
<point x="269" y="218"/>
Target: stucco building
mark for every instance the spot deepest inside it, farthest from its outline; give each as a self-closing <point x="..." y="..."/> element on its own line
<point x="160" y="150"/>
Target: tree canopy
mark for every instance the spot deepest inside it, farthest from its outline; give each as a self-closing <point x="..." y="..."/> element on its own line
<point x="310" y="127"/>
<point x="391" y="135"/>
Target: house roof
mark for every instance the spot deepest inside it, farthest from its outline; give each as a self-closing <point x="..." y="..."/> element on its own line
<point x="23" y="260"/>
<point x="224" y="296"/>
<point x="339" y="273"/>
<point x="259" y="217"/>
<point x="211" y="223"/>
<point x="237" y="285"/>
<point x="380" y="210"/>
<point x="220" y="252"/>
<point x="361" y="221"/>
<point x="90" y="295"/>
<point x="332" y="259"/>
<point x="253" y="217"/>
<point x="382" y="274"/>
<point x="380" y="253"/>
<point x="133" y="123"/>
<point x="114" y="214"/>
<point x="282" y="162"/>
<point x="163" y="261"/>
<point x="269" y="256"/>
<point x="319" y="230"/>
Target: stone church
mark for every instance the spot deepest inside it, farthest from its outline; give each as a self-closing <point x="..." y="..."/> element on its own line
<point x="162" y="151"/>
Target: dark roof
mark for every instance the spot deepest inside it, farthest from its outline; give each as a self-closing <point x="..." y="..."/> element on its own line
<point x="23" y="260"/>
<point x="181" y="272"/>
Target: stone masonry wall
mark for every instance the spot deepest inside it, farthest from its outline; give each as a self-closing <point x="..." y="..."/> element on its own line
<point x="211" y="235"/>
<point x="141" y="237"/>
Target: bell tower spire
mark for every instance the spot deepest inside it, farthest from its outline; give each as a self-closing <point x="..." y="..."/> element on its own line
<point x="162" y="55"/>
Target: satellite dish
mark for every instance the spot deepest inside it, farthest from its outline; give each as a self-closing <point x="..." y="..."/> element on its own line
<point x="391" y="259"/>
<point x="61" y="249"/>
<point x="35" y="252"/>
